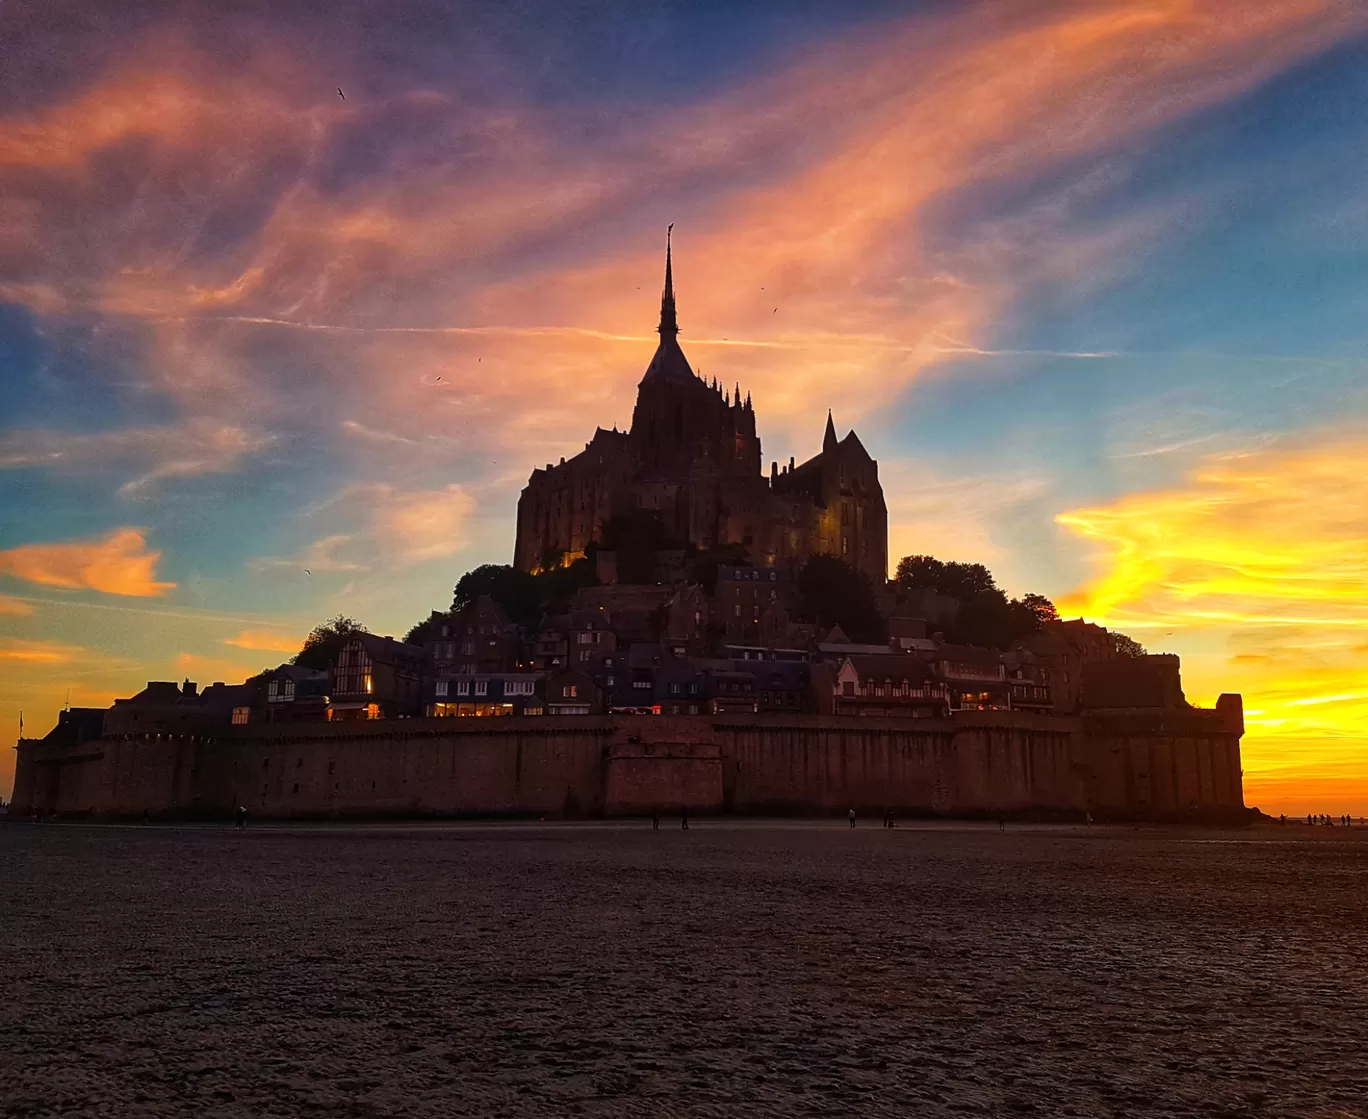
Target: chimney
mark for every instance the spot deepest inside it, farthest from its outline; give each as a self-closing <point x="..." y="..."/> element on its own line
<point x="790" y="464"/>
<point x="774" y="470"/>
<point x="190" y="689"/>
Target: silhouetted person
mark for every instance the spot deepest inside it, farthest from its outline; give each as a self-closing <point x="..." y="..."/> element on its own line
<point x="1283" y="819"/>
<point x="655" y="821"/>
<point x="684" y="817"/>
<point x="852" y="817"/>
<point x="1308" y="817"/>
<point x="1002" y="823"/>
<point x="242" y="816"/>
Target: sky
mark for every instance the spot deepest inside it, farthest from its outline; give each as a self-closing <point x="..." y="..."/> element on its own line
<point x="1088" y="278"/>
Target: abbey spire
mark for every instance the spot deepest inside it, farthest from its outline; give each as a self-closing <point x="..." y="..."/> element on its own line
<point x="669" y="325"/>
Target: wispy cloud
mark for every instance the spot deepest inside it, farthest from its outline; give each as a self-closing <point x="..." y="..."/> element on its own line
<point x="264" y="640"/>
<point x="149" y="454"/>
<point x="119" y="563"/>
<point x="38" y="652"/>
<point x="14" y="607"/>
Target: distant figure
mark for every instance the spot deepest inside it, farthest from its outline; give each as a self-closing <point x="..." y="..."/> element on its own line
<point x="1308" y="818"/>
<point x="1089" y="819"/>
<point x="655" y="821"/>
<point x="242" y="816"/>
<point x="1002" y="823"/>
<point x="684" y="818"/>
<point x="1283" y="819"/>
<point x="852" y="817"/>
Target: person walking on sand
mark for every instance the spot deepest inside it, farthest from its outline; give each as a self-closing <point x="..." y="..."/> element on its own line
<point x="852" y="817"/>
<point x="655" y="821"/>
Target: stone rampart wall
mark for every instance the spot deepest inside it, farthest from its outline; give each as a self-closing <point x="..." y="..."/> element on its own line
<point x="979" y="763"/>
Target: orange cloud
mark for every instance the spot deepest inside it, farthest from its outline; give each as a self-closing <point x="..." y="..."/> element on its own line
<point x="205" y="669"/>
<point x="119" y="563"/>
<point x="1260" y="560"/>
<point x="14" y="607"/>
<point x="37" y="652"/>
<point x="265" y="641"/>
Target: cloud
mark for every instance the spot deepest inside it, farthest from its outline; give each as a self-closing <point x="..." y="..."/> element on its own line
<point x="374" y="522"/>
<point x="119" y="563"/>
<point x="151" y="454"/>
<point x="1263" y="554"/>
<point x="14" y="607"/>
<point x="266" y="641"/>
<point x="208" y="669"/>
<point x="38" y="652"/>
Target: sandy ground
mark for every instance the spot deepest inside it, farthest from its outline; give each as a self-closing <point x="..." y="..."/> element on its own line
<point x="732" y="970"/>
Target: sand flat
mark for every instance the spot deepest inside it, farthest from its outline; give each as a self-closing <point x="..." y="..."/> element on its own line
<point x="737" y="969"/>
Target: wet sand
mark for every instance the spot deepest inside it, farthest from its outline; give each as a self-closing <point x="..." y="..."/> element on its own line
<point x="735" y="969"/>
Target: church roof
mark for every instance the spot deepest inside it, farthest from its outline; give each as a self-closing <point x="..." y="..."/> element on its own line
<point x="669" y="362"/>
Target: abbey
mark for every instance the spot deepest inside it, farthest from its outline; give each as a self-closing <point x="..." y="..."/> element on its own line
<point x="692" y="455"/>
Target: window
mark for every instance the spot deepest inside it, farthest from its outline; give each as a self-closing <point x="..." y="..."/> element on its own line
<point x="674" y="689"/>
<point x="444" y="631"/>
<point x="441" y="687"/>
<point x="481" y="687"/>
<point x="847" y="687"/>
<point x="462" y="687"/>
<point x="240" y="715"/>
<point x="611" y="681"/>
<point x="736" y="610"/>
<point x="468" y="649"/>
<point x="845" y="545"/>
<point x="570" y="691"/>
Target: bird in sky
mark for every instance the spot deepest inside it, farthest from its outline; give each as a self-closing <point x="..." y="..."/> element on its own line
<point x="341" y="94"/>
<point x="308" y="573"/>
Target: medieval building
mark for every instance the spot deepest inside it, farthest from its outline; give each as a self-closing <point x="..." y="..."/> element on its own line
<point x="692" y="456"/>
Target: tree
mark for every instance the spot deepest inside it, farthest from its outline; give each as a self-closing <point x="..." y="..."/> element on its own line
<point x="1127" y="646"/>
<point x="424" y="631"/>
<point x="832" y="593"/>
<point x="325" y="642"/>
<point x="516" y="591"/>
<point x="958" y="580"/>
<point x="1043" y="609"/>
<point x="635" y="537"/>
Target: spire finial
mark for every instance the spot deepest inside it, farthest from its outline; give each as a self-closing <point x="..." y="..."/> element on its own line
<point x="829" y="440"/>
<point x="669" y="326"/>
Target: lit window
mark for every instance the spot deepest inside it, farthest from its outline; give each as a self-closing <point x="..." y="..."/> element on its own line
<point x="240" y="715"/>
<point x="368" y="684"/>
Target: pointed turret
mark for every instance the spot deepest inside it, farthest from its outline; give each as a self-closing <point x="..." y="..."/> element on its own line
<point x="829" y="441"/>
<point x="669" y="325"/>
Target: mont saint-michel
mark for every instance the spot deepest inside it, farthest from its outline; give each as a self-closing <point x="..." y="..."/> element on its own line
<point x="679" y="632"/>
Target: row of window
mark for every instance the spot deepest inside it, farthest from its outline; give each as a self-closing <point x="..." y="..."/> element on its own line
<point x="481" y="687"/>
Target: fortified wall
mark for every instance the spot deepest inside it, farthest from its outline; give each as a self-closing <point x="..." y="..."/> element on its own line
<point x="1164" y="765"/>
